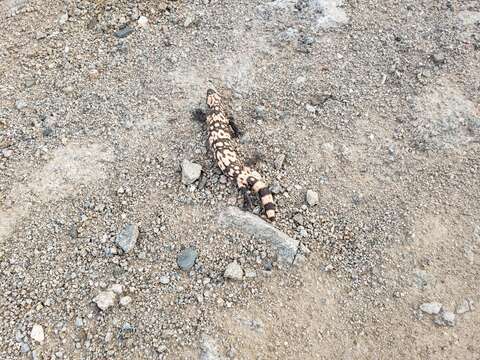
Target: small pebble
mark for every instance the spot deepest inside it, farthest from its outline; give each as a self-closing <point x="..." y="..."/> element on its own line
<point x="233" y="271"/>
<point x="445" y="318"/>
<point x="125" y="300"/>
<point x="47" y="131"/>
<point x="190" y="172"/>
<point x="164" y="279"/>
<point x="127" y="238"/>
<point x="189" y="21"/>
<point x="312" y="197"/>
<point x="298" y="218"/>
<point x="438" y="58"/>
<point x="19" y="336"/>
<point x="7" y="153"/>
<point x="63" y="19"/>
<point x="24" y="348"/>
<point x="117" y="288"/>
<point x="37" y="333"/>
<point x="20" y="104"/>
<point x="280" y="159"/>
<point x="432" y="308"/>
<point x="260" y="112"/>
<point x="105" y="299"/>
<point x="93" y="74"/>
<point x="307" y="40"/>
<point x="449" y="318"/>
<point x="268" y="265"/>
<point x="465" y="306"/>
<point x="29" y="82"/>
<point x="124" y="32"/>
<point x="276" y="188"/>
<point x="108" y="337"/>
<point x="142" y="21"/>
<point x="36" y="355"/>
<point x="186" y="259"/>
<point x="288" y="35"/>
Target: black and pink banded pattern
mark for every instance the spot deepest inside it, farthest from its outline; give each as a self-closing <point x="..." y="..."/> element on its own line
<point x="223" y="148"/>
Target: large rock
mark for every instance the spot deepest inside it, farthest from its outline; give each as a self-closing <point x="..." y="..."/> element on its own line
<point x="250" y="224"/>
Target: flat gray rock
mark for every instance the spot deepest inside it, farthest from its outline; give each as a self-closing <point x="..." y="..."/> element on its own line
<point x="127" y="238"/>
<point x="286" y="247"/>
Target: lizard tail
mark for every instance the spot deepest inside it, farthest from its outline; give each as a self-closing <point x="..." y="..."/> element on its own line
<point x="266" y="197"/>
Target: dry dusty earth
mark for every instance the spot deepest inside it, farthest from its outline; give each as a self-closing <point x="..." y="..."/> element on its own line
<point x="373" y="105"/>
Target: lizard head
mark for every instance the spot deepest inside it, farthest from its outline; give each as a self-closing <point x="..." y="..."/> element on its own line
<point x="213" y="99"/>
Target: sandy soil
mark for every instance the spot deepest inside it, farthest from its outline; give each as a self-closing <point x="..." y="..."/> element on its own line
<point x="373" y="105"/>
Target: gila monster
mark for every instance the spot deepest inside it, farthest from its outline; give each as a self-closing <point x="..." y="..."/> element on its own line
<point x="220" y="132"/>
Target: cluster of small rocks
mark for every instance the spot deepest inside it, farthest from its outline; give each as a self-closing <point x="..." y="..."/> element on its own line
<point x="107" y="298"/>
<point x="444" y="317"/>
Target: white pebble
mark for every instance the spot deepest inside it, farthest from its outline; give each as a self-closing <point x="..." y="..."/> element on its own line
<point x="125" y="300"/>
<point x="117" y="288"/>
<point x="104" y="300"/>
<point x="312" y="197"/>
<point x="142" y="21"/>
<point x="164" y="279"/>
<point x="233" y="271"/>
<point x="20" y="104"/>
<point x="37" y="333"/>
<point x="432" y="308"/>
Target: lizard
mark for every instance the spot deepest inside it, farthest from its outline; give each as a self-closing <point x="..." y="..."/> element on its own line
<point x="221" y="130"/>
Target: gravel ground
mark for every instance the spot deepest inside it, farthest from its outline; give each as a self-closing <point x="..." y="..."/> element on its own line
<point x="363" y="115"/>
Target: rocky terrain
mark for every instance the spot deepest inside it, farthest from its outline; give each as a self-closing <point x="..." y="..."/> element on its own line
<point x="120" y="239"/>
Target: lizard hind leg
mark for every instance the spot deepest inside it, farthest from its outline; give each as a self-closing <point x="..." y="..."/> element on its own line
<point x="247" y="199"/>
<point x="244" y="190"/>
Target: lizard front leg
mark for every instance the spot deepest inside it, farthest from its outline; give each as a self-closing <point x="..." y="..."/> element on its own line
<point x="233" y="125"/>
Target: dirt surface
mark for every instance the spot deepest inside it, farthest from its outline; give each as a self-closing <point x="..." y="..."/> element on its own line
<point x="373" y="105"/>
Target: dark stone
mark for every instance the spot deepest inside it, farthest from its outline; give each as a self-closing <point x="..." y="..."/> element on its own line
<point x="123" y="32"/>
<point x="47" y="131"/>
